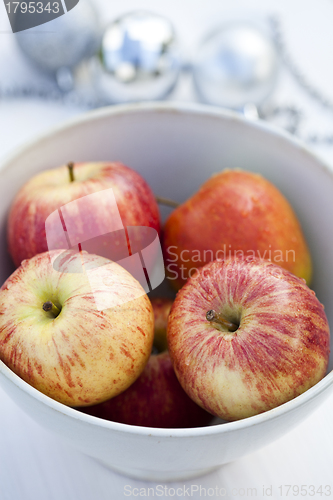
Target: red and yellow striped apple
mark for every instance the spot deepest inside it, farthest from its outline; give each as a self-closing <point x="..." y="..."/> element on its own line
<point x="49" y="190"/>
<point x="53" y="335"/>
<point x="234" y="213"/>
<point x="245" y="336"/>
<point x="155" y="399"/>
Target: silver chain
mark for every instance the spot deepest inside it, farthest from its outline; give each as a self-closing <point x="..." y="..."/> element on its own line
<point x="308" y="88"/>
<point x="54" y="94"/>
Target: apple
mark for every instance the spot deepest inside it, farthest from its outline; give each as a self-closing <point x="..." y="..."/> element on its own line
<point x="234" y="213"/>
<point x="50" y="190"/>
<point x="155" y="399"/>
<point x="161" y="307"/>
<point x="245" y="336"/>
<point x="80" y="336"/>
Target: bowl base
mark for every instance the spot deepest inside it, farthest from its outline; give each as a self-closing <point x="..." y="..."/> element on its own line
<point x="156" y="475"/>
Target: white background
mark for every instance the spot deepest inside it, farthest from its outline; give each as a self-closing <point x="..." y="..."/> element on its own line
<point x="35" y="464"/>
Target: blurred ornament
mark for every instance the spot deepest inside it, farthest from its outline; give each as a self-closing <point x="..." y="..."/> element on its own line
<point x="65" y="42"/>
<point x="236" y="67"/>
<point x="139" y="59"/>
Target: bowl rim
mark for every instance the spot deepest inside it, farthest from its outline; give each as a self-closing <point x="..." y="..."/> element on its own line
<point x="177" y="108"/>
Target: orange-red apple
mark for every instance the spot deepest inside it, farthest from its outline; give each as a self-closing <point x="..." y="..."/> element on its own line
<point x="234" y="213"/>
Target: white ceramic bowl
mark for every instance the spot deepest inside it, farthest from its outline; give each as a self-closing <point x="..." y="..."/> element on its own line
<point x="176" y="147"/>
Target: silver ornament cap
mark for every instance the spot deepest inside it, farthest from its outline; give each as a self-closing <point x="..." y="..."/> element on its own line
<point x="139" y="58"/>
<point x="236" y="65"/>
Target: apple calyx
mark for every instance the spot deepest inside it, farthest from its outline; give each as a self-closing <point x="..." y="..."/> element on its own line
<point x="48" y="306"/>
<point x="70" y="167"/>
<point x="214" y="317"/>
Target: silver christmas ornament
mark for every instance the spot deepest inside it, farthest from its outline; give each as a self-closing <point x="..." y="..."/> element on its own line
<point x="139" y="59"/>
<point x="61" y="44"/>
<point x="236" y="67"/>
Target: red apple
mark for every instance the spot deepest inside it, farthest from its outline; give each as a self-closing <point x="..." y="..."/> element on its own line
<point x="245" y="336"/>
<point x="161" y="307"/>
<point x="156" y="398"/>
<point x="40" y="199"/>
<point x="234" y="213"/>
<point x="78" y="337"/>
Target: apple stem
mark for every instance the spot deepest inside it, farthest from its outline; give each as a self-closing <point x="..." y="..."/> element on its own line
<point x="70" y="166"/>
<point x="167" y="202"/>
<point x="215" y="317"/>
<point x="50" y="307"/>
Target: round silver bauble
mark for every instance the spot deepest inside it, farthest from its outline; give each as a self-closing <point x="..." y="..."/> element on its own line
<point x="61" y="44"/>
<point x="235" y="66"/>
<point x="139" y="59"/>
